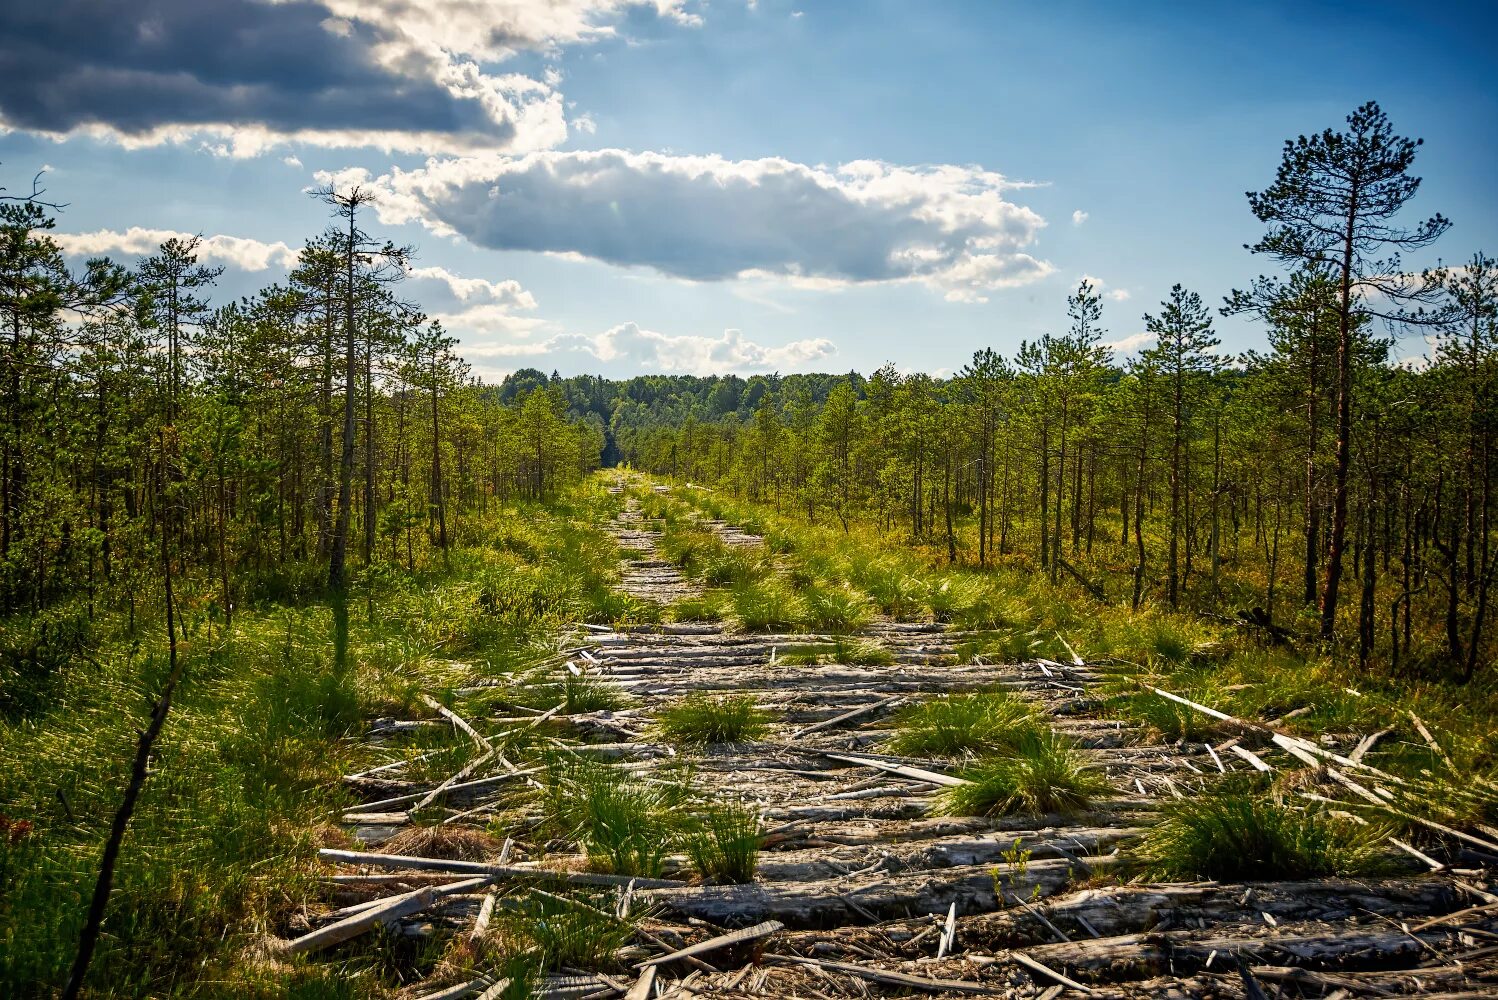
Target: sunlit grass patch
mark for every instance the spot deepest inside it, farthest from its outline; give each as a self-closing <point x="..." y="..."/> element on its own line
<point x="702" y="720"/>
<point x="565" y="932"/>
<point x="953" y="725"/>
<point x="724" y="846"/>
<point x="1040" y="776"/>
<point x="624" y="824"/>
<point x="766" y="604"/>
<point x="1241" y="836"/>
<point x="841" y="650"/>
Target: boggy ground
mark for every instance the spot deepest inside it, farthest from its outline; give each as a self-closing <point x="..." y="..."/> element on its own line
<point x="863" y="886"/>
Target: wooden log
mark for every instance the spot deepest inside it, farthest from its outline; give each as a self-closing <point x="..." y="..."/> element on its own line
<point x="850" y="714"/>
<point x="973" y="888"/>
<point x="497" y="871"/>
<point x="352" y="926"/>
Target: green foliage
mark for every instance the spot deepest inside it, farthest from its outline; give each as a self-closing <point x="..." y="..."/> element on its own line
<point x="572" y="932"/>
<point x="625" y="825"/>
<point x="1243" y="836"/>
<point x="1042" y="775"/>
<point x="953" y="725"/>
<point x="702" y="720"/>
<point x="724" y="846"/>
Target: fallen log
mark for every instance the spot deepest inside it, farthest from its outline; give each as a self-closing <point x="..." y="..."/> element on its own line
<point x="891" y="978"/>
<point x="496" y="871"/>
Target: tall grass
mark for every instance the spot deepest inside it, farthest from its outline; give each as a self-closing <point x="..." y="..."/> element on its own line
<point x="1039" y="776"/>
<point x="625" y="825"/>
<point x="1242" y="836"/>
<point x="957" y="724"/>
<point x="724" y="846"/>
<point x="700" y="720"/>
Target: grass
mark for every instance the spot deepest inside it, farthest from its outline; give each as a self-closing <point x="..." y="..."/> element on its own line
<point x="625" y="825"/>
<point x="576" y="694"/>
<point x="958" y="724"/>
<point x="222" y="848"/>
<point x="724" y="848"/>
<point x="700" y="720"/>
<point x="1244" y="836"/>
<point x="1042" y="775"/>
<point x="565" y="932"/>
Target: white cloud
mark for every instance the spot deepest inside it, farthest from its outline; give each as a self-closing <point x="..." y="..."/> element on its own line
<point x="1118" y="294"/>
<point x="707" y="218"/>
<point x="243" y="253"/>
<point x="507" y="293"/>
<point x="1078" y="217"/>
<point x="1130" y="344"/>
<point x="629" y="347"/>
<point x="292" y="161"/>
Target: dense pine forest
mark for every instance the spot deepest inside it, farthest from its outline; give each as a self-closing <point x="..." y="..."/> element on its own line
<point x="270" y="568"/>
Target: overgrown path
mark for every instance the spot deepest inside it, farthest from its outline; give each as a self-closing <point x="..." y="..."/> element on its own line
<point x="863" y="888"/>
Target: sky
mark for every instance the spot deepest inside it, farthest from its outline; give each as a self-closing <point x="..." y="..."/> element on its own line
<point x="620" y="187"/>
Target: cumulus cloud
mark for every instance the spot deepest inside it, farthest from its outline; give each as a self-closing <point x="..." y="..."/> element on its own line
<point x="707" y="218"/>
<point x="508" y="293"/>
<point x="628" y="346"/>
<point x="237" y="251"/>
<point x="1118" y="294"/>
<point x="250" y="74"/>
<point x="1131" y="344"/>
<point x="1078" y="217"/>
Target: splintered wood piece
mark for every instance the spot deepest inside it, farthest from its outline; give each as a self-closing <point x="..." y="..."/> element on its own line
<point x="760" y="930"/>
<point x="948" y="933"/>
<point x="641" y="989"/>
<point x="451" y="780"/>
<point x="1251" y="757"/>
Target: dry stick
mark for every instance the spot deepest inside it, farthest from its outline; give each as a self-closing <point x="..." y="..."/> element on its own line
<point x="641" y="989"/>
<point x="851" y="714"/>
<point x="721" y="941"/>
<point x="449" y="781"/>
<point x="1040" y="916"/>
<point x="105" y="882"/>
<point x="1431" y="740"/>
<point x="458" y="721"/>
<point x="1034" y="966"/>
<point x="900" y="769"/>
<point x="948" y="932"/>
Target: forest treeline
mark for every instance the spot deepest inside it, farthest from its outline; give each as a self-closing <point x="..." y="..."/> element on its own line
<point x="1313" y="486"/>
<point x="273" y="443"/>
<point x="324" y="425"/>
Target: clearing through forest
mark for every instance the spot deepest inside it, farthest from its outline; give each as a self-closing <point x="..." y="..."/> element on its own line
<point x="862" y="888"/>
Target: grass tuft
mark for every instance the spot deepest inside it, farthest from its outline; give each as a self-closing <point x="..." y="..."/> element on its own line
<point x="702" y="720"/>
<point x="953" y="725"/>
<point x="623" y="824"/>
<point x="565" y="933"/>
<point x="1245" y="836"/>
<point x="725" y="848"/>
<point x="1044" y="775"/>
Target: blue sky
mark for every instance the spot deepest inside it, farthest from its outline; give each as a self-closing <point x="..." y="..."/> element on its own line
<point x="674" y="185"/>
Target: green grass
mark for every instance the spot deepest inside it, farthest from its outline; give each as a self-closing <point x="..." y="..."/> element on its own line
<point x="1043" y="775"/>
<point x="958" y="724"/>
<point x="624" y="824"/>
<point x="1244" y="836"/>
<point x="576" y="694"/>
<point x="222" y="848"/>
<point x="700" y="720"/>
<point x="725" y="847"/>
<point x="565" y="932"/>
<point x="841" y="650"/>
